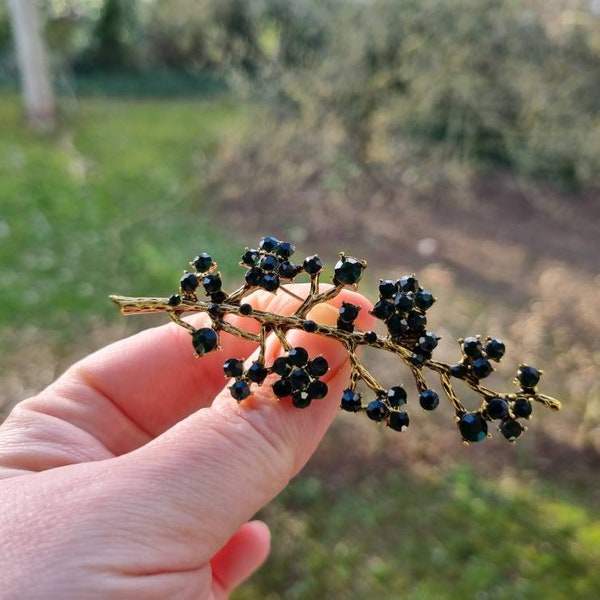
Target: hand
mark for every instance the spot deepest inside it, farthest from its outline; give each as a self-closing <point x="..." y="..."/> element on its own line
<point x="134" y="474"/>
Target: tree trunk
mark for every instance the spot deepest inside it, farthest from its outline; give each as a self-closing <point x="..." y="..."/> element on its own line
<point x="32" y="59"/>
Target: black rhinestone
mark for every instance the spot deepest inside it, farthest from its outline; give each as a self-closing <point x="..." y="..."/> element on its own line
<point x="203" y="262"/>
<point x="472" y="347"/>
<point x="387" y="288"/>
<point x="282" y="388"/>
<point x="404" y="302"/>
<point x="370" y="337"/>
<point x="473" y="427"/>
<point x="204" y="340"/>
<point x="285" y="249"/>
<point x="349" y="327"/>
<point x="409" y="283"/>
<point x="318" y="366"/>
<point x="269" y="263"/>
<point x="256" y="372"/>
<point x="383" y="309"/>
<point x="348" y="270"/>
<point x="214" y="310"/>
<point x="253" y="276"/>
<point x="522" y="407"/>
<point x="188" y="283"/>
<point x="377" y="410"/>
<point x="317" y="389"/>
<point x="297" y="356"/>
<point x="528" y="376"/>
<point x="301" y="399"/>
<point x="424" y="299"/>
<point x="288" y="270"/>
<point x="496" y="408"/>
<point x="416" y="321"/>
<point x="299" y="378"/>
<point x="309" y="326"/>
<point x="398" y="420"/>
<point x="246" y="309"/>
<point x="233" y="367"/>
<point x="428" y="342"/>
<point x="511" y="429"/>
<point x="396" y="325"/>
<point x="418" y="359"/>
<point x="312" y="265"/>
<point x="281" y="366"/>
<point x="351" y="401"/>
<point x="251" y="257"/>
<point x="240" y="390"/>
<point x="349" y="312"/>
<point x="212" y="283"/>
<point x="429" y="400"/>
<point x="269" y="282"/>
<point x="481" y="368"/>
<point x="396" y="396"/>
<point x="268" y="243"/>
<point x="458" y="370"/>
<point x="495" y="349"/>
<point x="174" y="300"/>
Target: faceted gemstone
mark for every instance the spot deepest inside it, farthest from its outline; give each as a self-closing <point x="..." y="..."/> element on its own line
<point x="318" y="366"/>
<point x="396" y="396"/>
<point x="212" y="283"/>
<point x="317" y="389"/>
<point x="309" y="326"/>
<point x="428" y="342"/>
<point x="288" y="270"/>
<point x="511" y="429"/>
<point x="418" y="358"/>
<point x="285" y="249"/>
<point x="174" y="300"/>
<point x="409" y="283"/>
<point x="240" y="390"/>
<point x="349" y="312"/>
<point x="473" y="427"/>
<point x="269" y="282"/>
<point x="398" y="420"/>
<point x="424" y="299"/>
<point x="253" y="276"/>
<point x="203" y="262"/>
<point x="481" y="368"/>
<point x="522" y="407"/>
<point x="312" y="265"/>
<point x="387" y="288"/>
<point x="233" y="367"/>
<point x="297" y="356"/>
<point x="251" y="257"/>
<point x="299" y="378"/>
<point x="282" y="388"/>
<point x="397" y="325"/>
<point x="429" y="400"/>
<point x="204" y="340"/>
<point x="382" y="309"/>
<point x="458" y="370"/>
<point x="528" y="376"/>
<point x="495" y="349"/>
<point x="348" y="270"/>
<point x="472" y="347"/>
<point x="214" y="310"/>
<point x="269" y="263"/>
<point x="404" y="302"/>
<point x="256" y="372"/>
<point x="351" y="401"/>
<point x="496" y="408"/>
<point x="377" y="410"/>
<point x="281" y="366"/>
<point x="246" y="309"/>
<point x="416" y="321"/>
<point x="268" y="243"/>
<point x="188" y="283"/>
<point x="370" y="337"/>
<point x="301" y="399"/>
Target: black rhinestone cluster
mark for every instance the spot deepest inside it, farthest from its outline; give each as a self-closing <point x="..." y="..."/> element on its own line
<point x="476" y="357"/>
<point x="205" y="274"/>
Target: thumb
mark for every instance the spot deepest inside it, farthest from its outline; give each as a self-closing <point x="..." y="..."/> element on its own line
<point x="206" y="476"/>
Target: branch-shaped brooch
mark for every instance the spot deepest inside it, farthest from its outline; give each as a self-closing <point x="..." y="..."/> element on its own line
<point x="402" y="306"/>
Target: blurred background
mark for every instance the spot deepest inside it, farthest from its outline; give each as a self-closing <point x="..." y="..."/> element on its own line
<point x="458" y="140"/>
